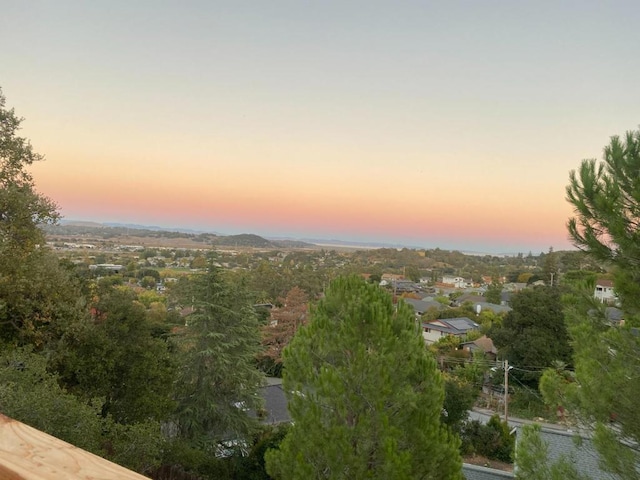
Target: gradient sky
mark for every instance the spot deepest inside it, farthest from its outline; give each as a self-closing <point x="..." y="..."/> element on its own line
<point x="434" y="124"/>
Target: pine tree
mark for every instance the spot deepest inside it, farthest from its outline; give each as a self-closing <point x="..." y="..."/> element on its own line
<point x="606" y="199"/>
<point x="364" y="394"/>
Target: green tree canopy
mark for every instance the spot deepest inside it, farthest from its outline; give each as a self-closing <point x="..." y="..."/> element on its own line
<point x="533" y="334"/>
<point x="606" y="200"/>
<point x="364" y="394"/>
<point x="116" y="357"/>
<point x="218" y="383"/>
<point x="22" y="209"/>
<point x="494" y="293"/>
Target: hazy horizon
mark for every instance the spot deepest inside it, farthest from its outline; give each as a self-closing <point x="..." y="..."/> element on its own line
<point x="318" y="241"/>
<point x="434" y="124"/>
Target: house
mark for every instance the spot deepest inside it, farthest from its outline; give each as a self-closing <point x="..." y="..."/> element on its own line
<point x="614" y="315"/>
<point x="577" y="449"/>
<point x="476" y="472"/>
<point x="391" y="277"/>
<point x="483" y="344"/>
<point x="459" y="327"/>
<point x="457" y="282"/>
<point x="275" y="409"/>
<point x="495" y="308"/>
<point x="421" y="306"/>
<point x="604" y="291"/>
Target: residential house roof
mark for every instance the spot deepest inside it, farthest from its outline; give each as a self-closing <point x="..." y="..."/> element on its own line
<point x="484" y="344"/>
<point x="476" y="472"/>
<point x="614" y="315"/>
<point x="577" y="449"/>
<point x="494" y="307"/>
<point x="275" y="402"/>
<point x="421" y="306"/>
<point x="469" y="297"/>
<point x="452" y="326"/>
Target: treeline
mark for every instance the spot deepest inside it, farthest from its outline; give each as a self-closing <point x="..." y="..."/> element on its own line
<point x="165" y="392"/>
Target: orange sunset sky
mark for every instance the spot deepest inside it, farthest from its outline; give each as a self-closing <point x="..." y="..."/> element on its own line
<point x="421" y="123"/>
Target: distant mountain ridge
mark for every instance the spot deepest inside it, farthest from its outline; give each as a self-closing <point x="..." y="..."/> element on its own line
<point x="254" y="240"/>
<point x="111" y="229"/>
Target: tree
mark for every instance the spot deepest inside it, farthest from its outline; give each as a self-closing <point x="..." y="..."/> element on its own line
<point x="218" y="383"/>
<point x="606" y="200"/>
<point x="22" y="209"/>
<point x="115" y="357"/>
<point x="31" y="394"/>
<point x="550" y="268"/>
<point x="282" y="326"/>
<point x="533" y="460"/>
<point x="39" y="299"/>
<point x="494" y="293"/>
<point x="33" y="290"/>
<point x="459" y="397"/>
<point x="364" y="394"/>
<point x="533" y="334"/>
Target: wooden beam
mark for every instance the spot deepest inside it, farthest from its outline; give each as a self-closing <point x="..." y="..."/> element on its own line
<point x="29" y="454"/>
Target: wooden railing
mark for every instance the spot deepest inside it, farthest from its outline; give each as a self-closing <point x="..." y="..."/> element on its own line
<point x="29" y="454"/>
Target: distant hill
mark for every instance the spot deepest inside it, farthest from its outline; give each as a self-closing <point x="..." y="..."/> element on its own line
<point x="110" y="230"/>
<point x="243" y="240"/>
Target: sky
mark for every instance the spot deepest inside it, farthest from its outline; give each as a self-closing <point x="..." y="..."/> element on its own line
<point x="449" y="124"/>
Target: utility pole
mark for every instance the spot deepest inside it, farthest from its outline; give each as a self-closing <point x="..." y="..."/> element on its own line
<point x="506" y="391"/>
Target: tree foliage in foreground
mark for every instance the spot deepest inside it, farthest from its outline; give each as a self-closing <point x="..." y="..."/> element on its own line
<point x="32" y="395"/>
<point x="364" y="394"/>
<point x="534" y="462"/>
<point x="606" y="200"/>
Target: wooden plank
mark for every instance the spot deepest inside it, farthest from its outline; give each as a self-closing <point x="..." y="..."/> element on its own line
<point x="29" y="454"/>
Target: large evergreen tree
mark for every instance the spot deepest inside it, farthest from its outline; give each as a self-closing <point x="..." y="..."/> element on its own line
<point x="364" y="394"/>
<point x="218" y="385"/>
<point x="606" y="200"/>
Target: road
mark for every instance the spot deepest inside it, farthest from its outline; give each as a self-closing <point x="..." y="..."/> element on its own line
<point x="484" y="415"/>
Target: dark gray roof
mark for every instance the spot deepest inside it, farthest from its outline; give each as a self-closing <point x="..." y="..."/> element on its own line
<point x="577" y="449"/>
<point x="476" y="472"/>
<point x="614" y="315"/>
<point x="453" y="326"/>
<point x="275" y="403"/>
<point x="421" y="306"/>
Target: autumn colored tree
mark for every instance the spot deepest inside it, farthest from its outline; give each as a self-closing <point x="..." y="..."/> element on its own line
<point x="281" y="327"/>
